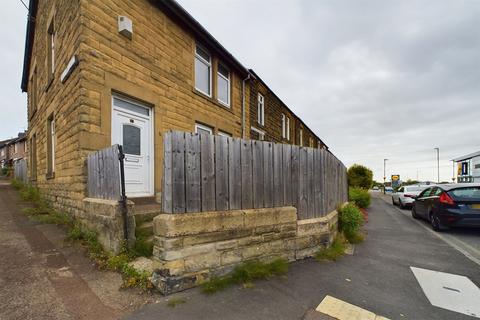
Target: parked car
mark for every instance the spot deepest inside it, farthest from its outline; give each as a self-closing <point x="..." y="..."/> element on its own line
<point x="449" y="205"/>
<point x="405" y="196"/>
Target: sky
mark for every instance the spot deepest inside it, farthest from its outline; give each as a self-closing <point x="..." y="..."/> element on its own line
<point x="373" y="79"/>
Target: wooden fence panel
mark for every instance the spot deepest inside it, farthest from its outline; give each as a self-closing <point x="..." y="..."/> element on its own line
<point x="235" y="174"/>
<point x="207" y="173"/>
<point x="277" y="175"/>
<point x="178" y="177"/>
<point x="287" y="174"/>
<point x="247" y="172"/>
<point x="207" y="167"/>
<point x="193" y="194"/>
<point x="258" y="174"/>
<point x="167" y="193"/>
<point x="302" y="205"/>
<point x="103" y="174"/>
<point x="221" y="172"/>
<point x="20" y="170"/>
<point x="295" y="160"/>
<point x="268" y="174"/>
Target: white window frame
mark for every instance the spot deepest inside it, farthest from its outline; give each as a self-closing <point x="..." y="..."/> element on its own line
<point x="288" y="128"/>
<point x="284" y="125"/>
<point x="203" y="127"/>
<point x="51" y="39"/>
<point x="225" y="103"/>
<point x="209" y="64"/>
<point x="53" y="133"/>
<point x="261" y="134"/>
<point x="301" y="137"/>
<point x="261" y="109"/>
<point x="15" y="149"/>
<point x="224" y="134"/>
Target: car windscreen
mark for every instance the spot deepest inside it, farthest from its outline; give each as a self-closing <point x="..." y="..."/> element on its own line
<point x="469" y="193"/>
<point x="413" y="189"/>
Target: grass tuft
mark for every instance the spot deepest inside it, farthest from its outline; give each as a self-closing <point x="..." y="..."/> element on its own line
<point x="245" y="274"/>
<point x="334" y="252"/>
<point x="172" y="303"/>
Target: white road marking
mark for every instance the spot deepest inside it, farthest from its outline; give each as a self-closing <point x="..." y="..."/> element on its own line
<point x="449" y="291"/>
<point x="342" y="310"/>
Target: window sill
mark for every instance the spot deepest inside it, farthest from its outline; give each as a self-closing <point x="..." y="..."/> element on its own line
<point x="212" y="100"/>
<point x="50" y="176"/>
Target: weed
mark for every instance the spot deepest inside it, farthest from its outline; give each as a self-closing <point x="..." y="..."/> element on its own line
<point x="355" y="237"/>
<point x="172" y="303"/>
<point x="335" y="251"/>
<point x="142" y="247"/>
<point x="30" y="193"/>
<point x="246" y="273"/>
<point x="54" y="218"/>
<point x="16" y="184"/>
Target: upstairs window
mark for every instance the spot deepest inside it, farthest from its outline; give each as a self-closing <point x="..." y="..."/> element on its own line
<point x="285" y="127"/>
<point x="50" y="146"/>
<point x="51" y="50"/>
<point x="33" y="157"/>
<point x="33" y="92"/>
<point x="261" y="110"/>
<point x="203" y="70"/>
<point x="223" y="84"/>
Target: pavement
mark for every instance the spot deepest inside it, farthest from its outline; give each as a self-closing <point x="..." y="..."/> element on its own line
<point x="43" y="276"/>
<point x="377" y="278"/>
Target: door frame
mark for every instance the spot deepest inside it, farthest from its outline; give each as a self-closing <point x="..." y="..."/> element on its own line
<point x="151" y="145"/>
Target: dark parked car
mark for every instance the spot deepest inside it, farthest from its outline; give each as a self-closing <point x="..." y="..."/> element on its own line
<point x="449" y="205"/>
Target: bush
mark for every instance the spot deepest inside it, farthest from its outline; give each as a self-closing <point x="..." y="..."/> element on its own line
<point x="350" y="220"/>
<point x="360" y="176"/>
<point x="360" y="197"/>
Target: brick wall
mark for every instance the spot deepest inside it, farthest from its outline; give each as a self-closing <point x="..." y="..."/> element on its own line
<point x="274" y="108"/>
<point x="66" y="189"/>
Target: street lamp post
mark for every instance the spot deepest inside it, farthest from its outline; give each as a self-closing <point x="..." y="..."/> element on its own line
<point x="438" y="164"/>
<point x="384" y="174"/>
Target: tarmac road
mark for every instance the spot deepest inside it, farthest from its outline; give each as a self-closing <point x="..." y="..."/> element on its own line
<point x="377" y="277"/>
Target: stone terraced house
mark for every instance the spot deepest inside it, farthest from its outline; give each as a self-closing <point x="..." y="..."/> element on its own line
<point x="104" y="72"/>
<point x="100" y="73"/>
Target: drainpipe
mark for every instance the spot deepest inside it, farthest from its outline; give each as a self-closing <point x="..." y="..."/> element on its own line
<point x="123" y="197"/>
<point x="243" y="105"/>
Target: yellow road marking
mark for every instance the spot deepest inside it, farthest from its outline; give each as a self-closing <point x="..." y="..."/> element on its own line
<point x="342" y="310"/>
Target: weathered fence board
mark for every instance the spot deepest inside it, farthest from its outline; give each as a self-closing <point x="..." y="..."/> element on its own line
<point x="20" y="170"/>
<point x="207" y="173"/>
<point x="207" y="164"/>
<point x="104" y="174"/>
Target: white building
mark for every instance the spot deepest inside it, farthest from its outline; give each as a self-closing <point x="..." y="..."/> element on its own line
<point x="468" y="168"/>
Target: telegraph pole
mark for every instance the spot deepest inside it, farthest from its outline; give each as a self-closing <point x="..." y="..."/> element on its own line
<point x="438" y="164"/>
<point x="384" y="174"/>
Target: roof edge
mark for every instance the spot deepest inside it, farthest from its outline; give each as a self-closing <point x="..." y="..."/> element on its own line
<point x="288" y="108"/>
<point x="29" y="38"/>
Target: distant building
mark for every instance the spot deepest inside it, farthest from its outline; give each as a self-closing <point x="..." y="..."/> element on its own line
<point x="468" y="168"/>
<point x="12" y="150"/>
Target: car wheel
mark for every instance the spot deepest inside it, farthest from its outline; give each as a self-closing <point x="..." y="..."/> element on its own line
<point x="414" y="213"/>
<point x="393" y="202"/>
<point x="435" y="222"/>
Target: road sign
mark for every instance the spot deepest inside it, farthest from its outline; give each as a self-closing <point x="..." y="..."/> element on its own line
<point x="395" y="180"/>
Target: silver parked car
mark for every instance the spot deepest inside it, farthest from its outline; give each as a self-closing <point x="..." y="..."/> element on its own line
<point x="405" y="196"/>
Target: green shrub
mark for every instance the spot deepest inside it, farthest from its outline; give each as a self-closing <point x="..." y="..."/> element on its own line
<point x="360" y="176"/>
<point x="30" y="193"/>
<point x="17" y="184"/>
<point x="360" y="197"/>
<point x="350" y="220"/>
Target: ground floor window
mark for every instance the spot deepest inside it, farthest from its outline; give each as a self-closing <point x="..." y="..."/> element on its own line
<point x="203" y="129"/>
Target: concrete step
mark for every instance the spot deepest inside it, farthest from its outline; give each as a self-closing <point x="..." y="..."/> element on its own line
<point x="146" y="212"/>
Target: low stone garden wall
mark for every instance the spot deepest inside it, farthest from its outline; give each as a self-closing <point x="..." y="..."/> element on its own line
<point x="104" y="217"/>
<point x="193" y="247"/>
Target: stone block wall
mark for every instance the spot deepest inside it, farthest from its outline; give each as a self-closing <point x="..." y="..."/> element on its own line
<point x="191" y="248"/>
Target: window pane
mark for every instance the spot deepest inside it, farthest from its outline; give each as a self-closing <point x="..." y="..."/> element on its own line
<point x="202" y="76"/>
<point x="130" y="106"/>
<point x="466" y="193"/>
<point x="202" y="53"/>
<point x="131" y="139"/>
<point x="223" y="94"/>
<point x="203" y="131"/>
<point x="223" y="71"/>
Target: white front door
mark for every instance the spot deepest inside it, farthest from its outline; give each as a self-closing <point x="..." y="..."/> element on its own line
<point x="132" y="129"/>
